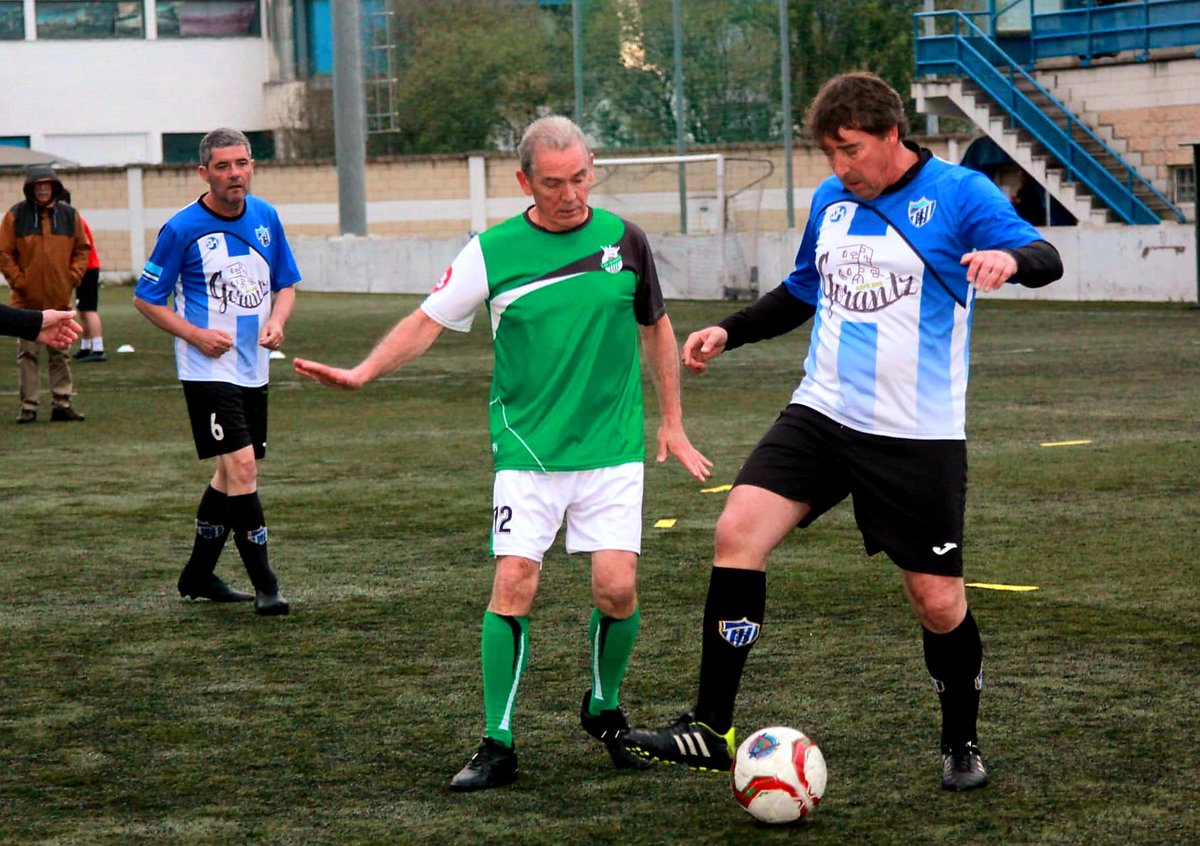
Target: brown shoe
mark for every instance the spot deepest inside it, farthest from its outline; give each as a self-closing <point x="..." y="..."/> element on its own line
<point x="27" y="415"/>
<point x="66" y="415"/>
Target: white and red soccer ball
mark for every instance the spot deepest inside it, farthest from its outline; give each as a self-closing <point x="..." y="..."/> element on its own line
<point x="778" y="775"/>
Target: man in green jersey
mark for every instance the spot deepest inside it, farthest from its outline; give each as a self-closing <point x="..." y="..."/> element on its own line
<point x="568" y="291"/>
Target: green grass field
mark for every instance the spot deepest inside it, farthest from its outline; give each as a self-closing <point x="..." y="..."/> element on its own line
<point x="128" y="716"/>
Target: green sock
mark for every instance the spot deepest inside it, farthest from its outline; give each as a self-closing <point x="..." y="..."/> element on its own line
<point x="612" y="644"/>
<point x="505" y="645"/>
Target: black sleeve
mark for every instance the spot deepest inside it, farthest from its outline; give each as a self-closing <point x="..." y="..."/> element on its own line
<point x="1038" y="264"/>
<point x="774" y="313"/>
<point x="648" y="304"/>
<point x="22" y="322"/>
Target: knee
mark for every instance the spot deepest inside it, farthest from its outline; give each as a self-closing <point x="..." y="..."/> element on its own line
<point x="616" y="596"/>
<point x="733" y="532"/>
<point x="242" y="468"/>
<point x="941" y="613"/>
<point x="514" y="587"/>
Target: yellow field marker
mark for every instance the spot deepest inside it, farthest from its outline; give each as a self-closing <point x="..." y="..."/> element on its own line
<point x="665" y="524"/>
<point x="717" y="489"/>
<point x="1018" y="588"/>
<point x="1064" y="443"/>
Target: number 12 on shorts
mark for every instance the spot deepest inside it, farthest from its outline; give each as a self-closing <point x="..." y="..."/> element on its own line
<point x="501" y="516"/>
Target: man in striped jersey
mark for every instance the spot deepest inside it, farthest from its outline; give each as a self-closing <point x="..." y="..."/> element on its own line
<point x="568" y="290"/>
<point x="897" y="245"/>
<point x="226" y="262"/>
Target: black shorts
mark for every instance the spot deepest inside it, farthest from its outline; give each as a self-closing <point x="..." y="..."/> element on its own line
<point x="909" y="495"/>
<point x="87" y="295"/>
<point x="226" y="417"/>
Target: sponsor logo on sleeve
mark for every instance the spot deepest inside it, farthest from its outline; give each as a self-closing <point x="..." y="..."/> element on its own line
<point x="445" y="280"/>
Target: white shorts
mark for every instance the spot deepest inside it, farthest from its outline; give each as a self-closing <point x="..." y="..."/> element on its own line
<point x="603" y="509"/>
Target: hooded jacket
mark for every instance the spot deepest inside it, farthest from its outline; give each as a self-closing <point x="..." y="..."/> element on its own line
<point x="43" y="249"/>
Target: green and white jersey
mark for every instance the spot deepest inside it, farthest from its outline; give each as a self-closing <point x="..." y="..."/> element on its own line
<point x="565" y="309"/>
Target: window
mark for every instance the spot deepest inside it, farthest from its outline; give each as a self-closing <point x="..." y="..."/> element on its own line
<point x="208" y="18"/>
<point x="14" y="141"/>
<point x="12" y="20"/>
<point x="1183" y="184"/>
<point x="184" y="147"/>
<point x="97" y="19"/>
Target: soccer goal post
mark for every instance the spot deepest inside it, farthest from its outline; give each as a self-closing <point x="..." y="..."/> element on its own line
<point x="703" y="233"/>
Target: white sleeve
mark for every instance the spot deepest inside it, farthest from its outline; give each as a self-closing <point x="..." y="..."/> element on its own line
<point x="462" y="290"/>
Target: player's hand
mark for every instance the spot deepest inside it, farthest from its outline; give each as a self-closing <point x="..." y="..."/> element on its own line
<point x="987" y="270"/>
<point x="59" y="329"/>
<point x="702" y="347"/>
<point x="333" y="377"/>
<point x="272" y="336"/>
<point x="672" y="440"/>
<point x="212" y="342"/>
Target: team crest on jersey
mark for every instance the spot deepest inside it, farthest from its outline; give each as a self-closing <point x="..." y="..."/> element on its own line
<point x="920" y="211"/>
<point x="610" y="258"/>
<point x="739" y="632"/>
<point x="235" y="284"/>
<point x="211" y="242"/>
<point x="837" y="213"/>
<point x="263" y="234"/>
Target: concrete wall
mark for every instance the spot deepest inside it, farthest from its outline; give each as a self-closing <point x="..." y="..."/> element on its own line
<point x="421" y="210"/>
<point x="1110" y="263"/>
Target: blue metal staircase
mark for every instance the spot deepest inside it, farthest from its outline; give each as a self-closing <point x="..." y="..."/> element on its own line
<point x="1075" y="164"/>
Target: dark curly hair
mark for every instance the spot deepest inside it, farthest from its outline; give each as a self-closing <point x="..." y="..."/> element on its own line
<point x="859" y="101"/>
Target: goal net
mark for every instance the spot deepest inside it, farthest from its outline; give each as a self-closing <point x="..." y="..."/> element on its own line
<point x="700" y="212"/>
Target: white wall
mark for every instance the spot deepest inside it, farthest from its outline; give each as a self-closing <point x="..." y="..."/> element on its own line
<point x="67" y="95"/>
<point x="1131" y="263"/>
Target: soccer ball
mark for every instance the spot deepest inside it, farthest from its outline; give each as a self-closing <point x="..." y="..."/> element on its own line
<point x="778" y="775"/>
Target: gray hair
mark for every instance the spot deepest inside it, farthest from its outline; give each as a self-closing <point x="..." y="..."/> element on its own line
<point x="553" y="131"/>
<point x="222" y="137"/>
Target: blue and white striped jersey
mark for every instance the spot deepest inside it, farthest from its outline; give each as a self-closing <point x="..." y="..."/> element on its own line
<point x="889" y="349"/>
<point x="221" y="272"/>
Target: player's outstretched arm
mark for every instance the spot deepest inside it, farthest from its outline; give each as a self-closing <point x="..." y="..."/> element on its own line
<point x="988" y="270"/>
<point x="662" y="352"/>
<point x="59" y="329"/>
<point x="407" y="340"/>
<point x="703" y="346"/>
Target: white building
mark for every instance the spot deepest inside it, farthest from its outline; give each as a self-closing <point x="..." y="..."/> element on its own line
<point x="112" y="82"/>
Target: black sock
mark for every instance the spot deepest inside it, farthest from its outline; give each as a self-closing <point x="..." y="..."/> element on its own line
<point x="212" y="528"/>
<point x="250" y="535"/>
<point x="733" y="615"/>
<point x="955" y="661"/>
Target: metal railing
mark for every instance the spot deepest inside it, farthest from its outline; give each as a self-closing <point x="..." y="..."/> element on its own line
<point x="1138" y="26"/>
<point x="964" y="50"/>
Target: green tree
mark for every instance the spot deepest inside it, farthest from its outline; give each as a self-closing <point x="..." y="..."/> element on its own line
<point x="851" y="35"/>
<point x="473" y="73"/>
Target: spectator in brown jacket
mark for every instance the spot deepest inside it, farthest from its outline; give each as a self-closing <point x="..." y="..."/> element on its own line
<point x="43" y="254"/>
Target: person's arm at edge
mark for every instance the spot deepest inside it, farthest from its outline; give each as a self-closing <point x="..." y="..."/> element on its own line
<point x="9" y="266"/>
<point x="407" y="340"/>
<point x="80" y="253"/>
<point x="662" y="354"/>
